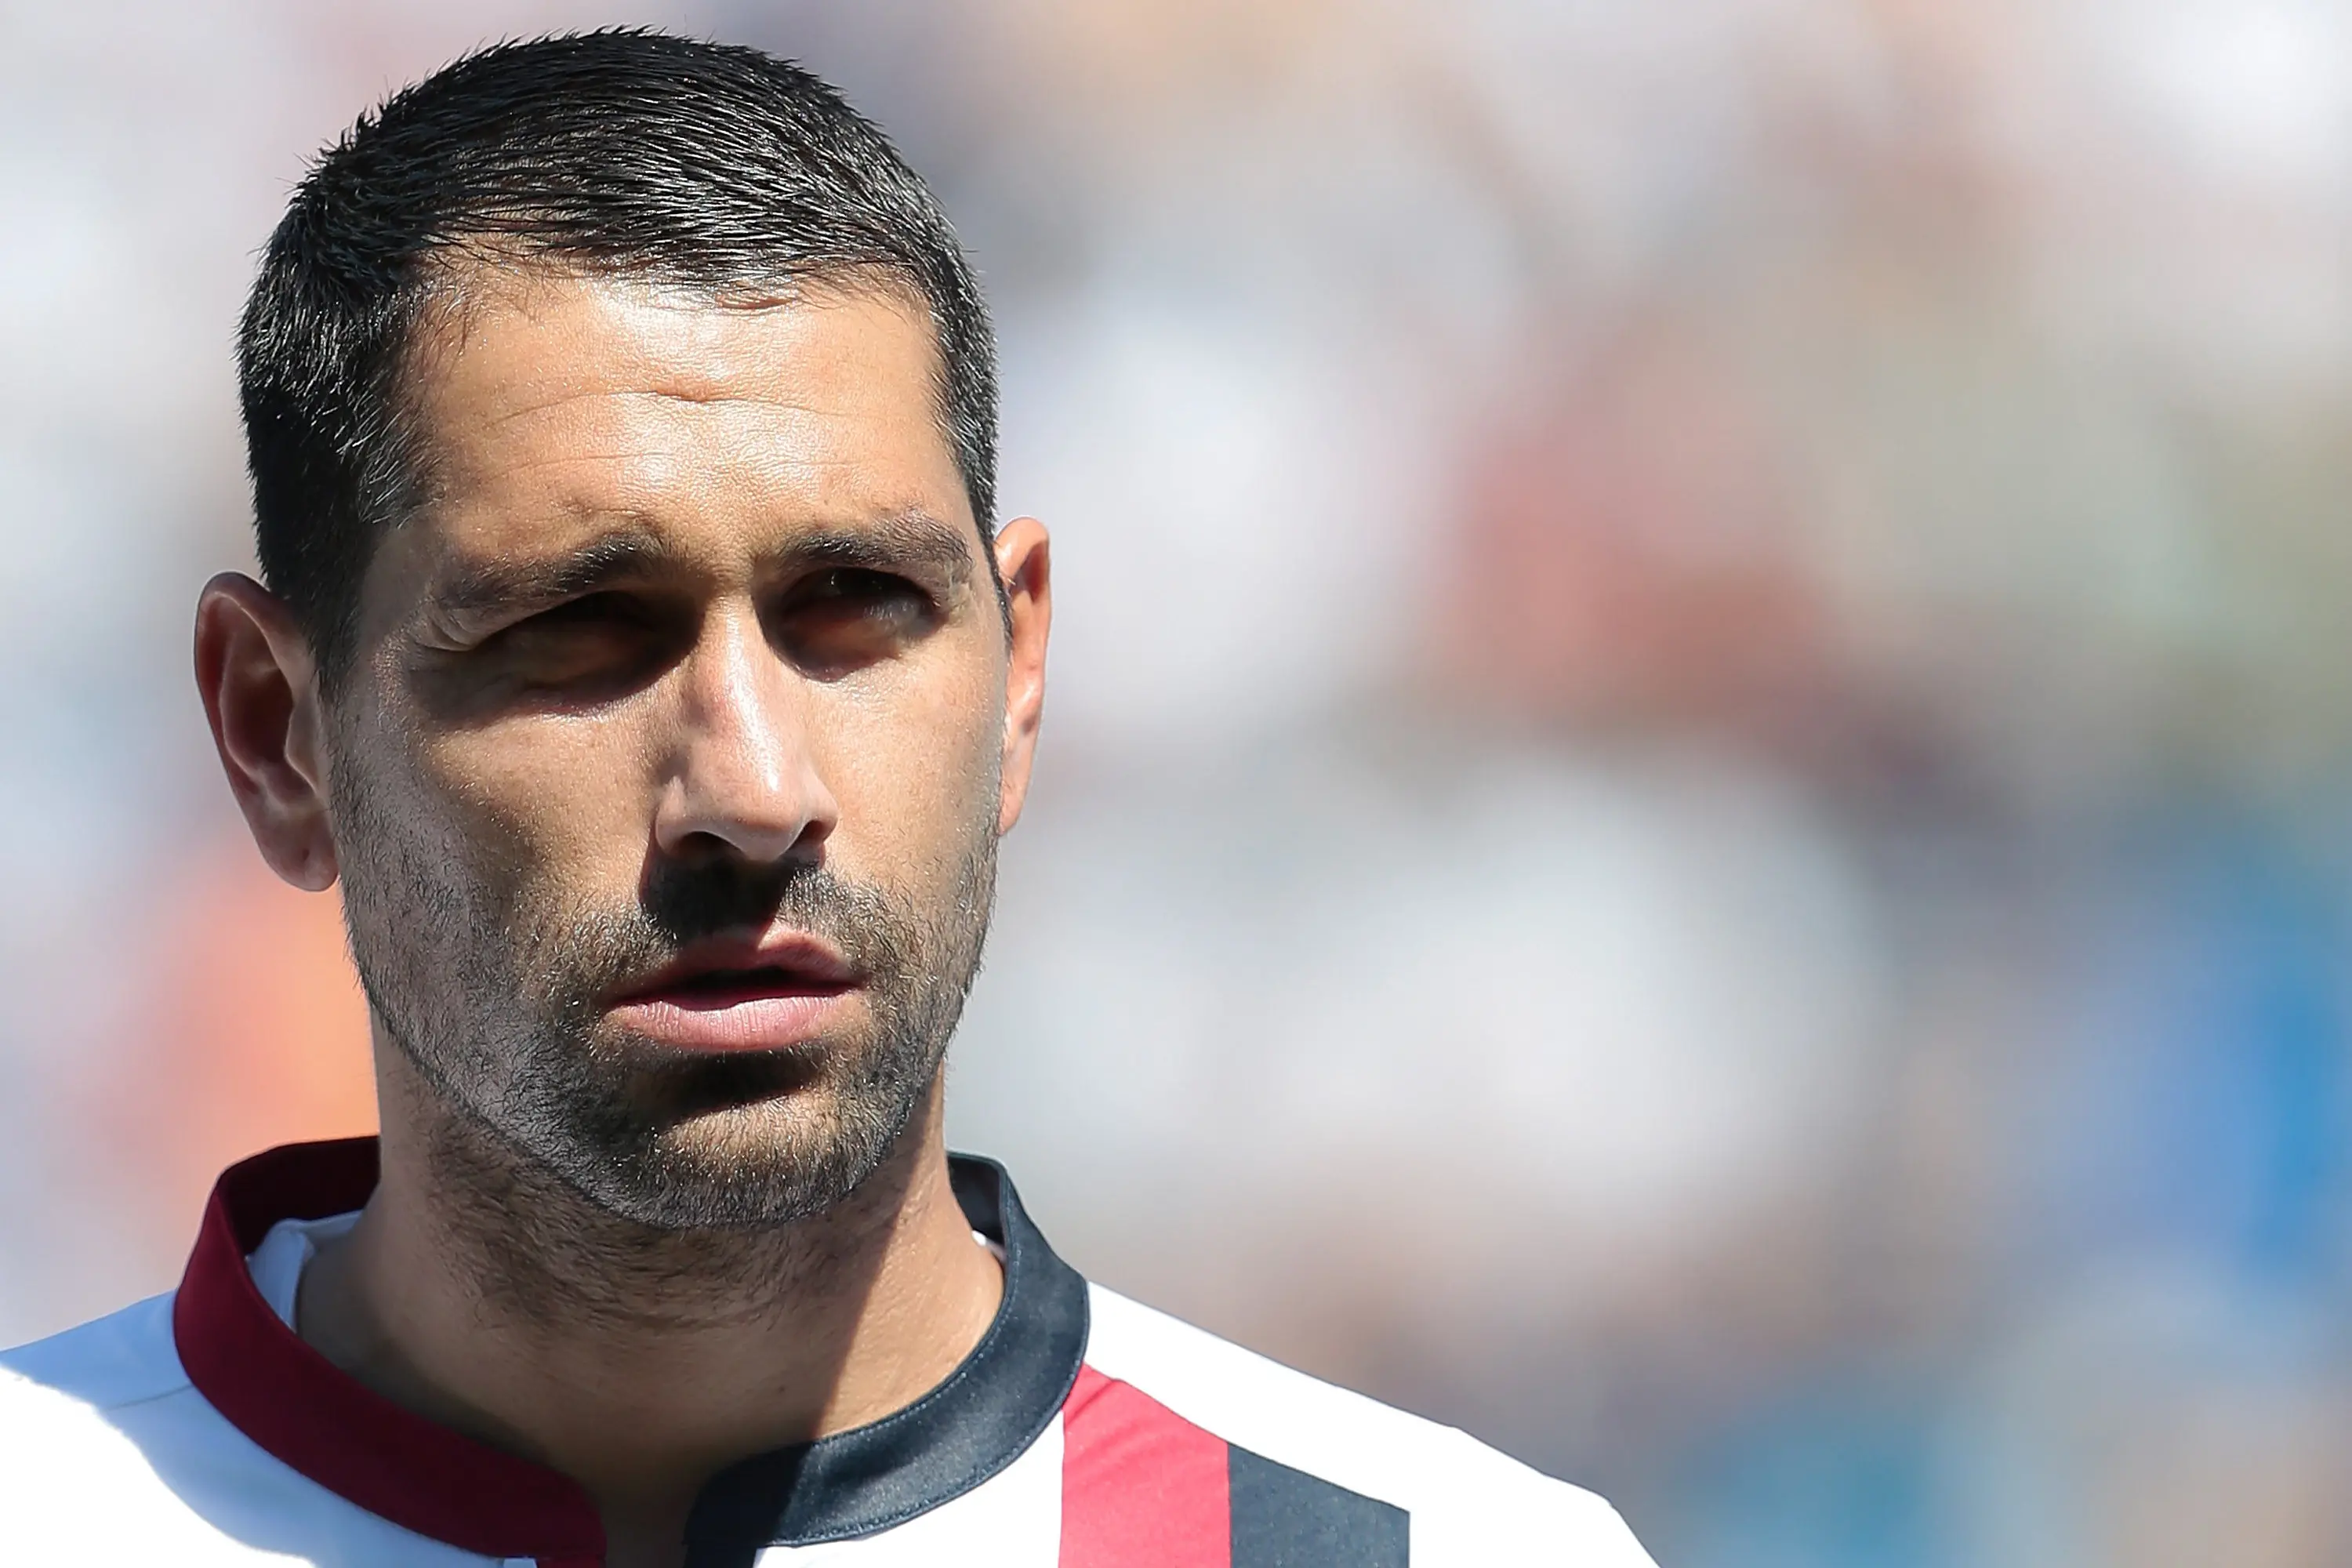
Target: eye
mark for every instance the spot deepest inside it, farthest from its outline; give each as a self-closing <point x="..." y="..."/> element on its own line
<point x="841" y="618"/>
<point x="596" y="639"/>
<point x="595" y="615"/>
<point x="857" y="588"/>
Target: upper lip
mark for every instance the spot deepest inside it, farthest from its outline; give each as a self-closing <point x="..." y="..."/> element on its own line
<point x="801" y="956"/>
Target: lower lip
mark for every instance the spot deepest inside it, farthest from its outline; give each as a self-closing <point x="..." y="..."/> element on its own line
<point x="773" y="1021"/>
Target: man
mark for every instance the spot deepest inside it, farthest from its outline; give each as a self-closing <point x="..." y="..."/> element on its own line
<point x="639" y="652"/>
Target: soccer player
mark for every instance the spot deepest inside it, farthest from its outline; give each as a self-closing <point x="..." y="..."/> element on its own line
<point x="640" y="651"/>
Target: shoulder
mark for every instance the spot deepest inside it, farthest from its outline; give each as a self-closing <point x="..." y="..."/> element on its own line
<point x="108" y="1455"/>
<point x="1467" y="1502"/>
<point x="73" y="1475"/>
<point x="63" y="1399"/>
<point x="123" y="1358"/>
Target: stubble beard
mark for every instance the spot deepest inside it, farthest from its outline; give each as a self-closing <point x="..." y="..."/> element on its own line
<point x="490" y="985"/>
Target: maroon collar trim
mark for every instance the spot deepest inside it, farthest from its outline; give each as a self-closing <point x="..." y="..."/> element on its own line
<point x="303" y="1409"/>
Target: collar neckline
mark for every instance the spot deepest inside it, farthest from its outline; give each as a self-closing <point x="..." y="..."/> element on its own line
<point x="307" y="1412"/>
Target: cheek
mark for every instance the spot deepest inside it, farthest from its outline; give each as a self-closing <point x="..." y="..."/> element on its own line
<point x="914" y="779"/>
<point x="416" y="892"/>
<point x="547" y="807"/>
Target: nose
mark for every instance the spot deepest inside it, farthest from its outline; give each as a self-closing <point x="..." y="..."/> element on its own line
<point x="743" y="778"/>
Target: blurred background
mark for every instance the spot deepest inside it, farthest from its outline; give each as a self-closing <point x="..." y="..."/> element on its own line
<point x="1693" y="811"/>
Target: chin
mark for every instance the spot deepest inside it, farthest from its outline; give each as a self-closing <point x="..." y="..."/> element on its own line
<point x="765" y="1162"/>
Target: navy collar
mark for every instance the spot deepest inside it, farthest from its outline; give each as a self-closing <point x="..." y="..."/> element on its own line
<point x="300" y="1407"/>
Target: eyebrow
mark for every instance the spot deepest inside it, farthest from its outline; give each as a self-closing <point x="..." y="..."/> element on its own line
<point x="499" y="584"/>
<point x="911" y="540"/>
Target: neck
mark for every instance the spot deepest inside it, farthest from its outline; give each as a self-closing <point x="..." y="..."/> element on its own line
<point x="478" y="1290"/>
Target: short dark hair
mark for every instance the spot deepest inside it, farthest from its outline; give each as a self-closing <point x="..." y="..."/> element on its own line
<point x="622" y="152"/>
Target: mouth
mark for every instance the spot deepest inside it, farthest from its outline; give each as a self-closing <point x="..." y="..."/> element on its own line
<point x="771" y="995"/>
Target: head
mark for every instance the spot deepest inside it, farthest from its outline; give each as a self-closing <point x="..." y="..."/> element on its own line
<point x="633" y="640"/>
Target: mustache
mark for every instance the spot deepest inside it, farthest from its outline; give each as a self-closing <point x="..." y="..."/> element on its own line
<point x="683" y="902"/>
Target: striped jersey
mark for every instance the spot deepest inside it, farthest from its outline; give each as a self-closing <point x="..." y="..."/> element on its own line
<point x="1084" y="1431"/>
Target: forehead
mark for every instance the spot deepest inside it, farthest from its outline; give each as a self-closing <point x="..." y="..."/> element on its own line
<point x="555" y="408"/>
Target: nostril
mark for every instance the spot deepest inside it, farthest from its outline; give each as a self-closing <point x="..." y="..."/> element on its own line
<point x="710" y="842"/>
<point x="703" y="848"/>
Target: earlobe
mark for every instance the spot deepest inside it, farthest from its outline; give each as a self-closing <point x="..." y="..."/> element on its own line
<point x="255" y="673"/>
<point x="1024" y="566"/>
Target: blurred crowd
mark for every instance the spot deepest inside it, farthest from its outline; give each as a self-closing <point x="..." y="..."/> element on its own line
<point x="1693" y="811"/>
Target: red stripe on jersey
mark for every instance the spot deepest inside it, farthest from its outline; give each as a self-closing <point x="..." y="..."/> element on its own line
<point x="1141" y="1486"/>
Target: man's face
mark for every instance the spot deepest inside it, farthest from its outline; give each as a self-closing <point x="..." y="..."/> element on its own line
<point x="667" y="786"/>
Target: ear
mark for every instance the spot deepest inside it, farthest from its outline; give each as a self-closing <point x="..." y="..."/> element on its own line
<point x="1024" y="566"/>
<point x="255" y="672"/>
